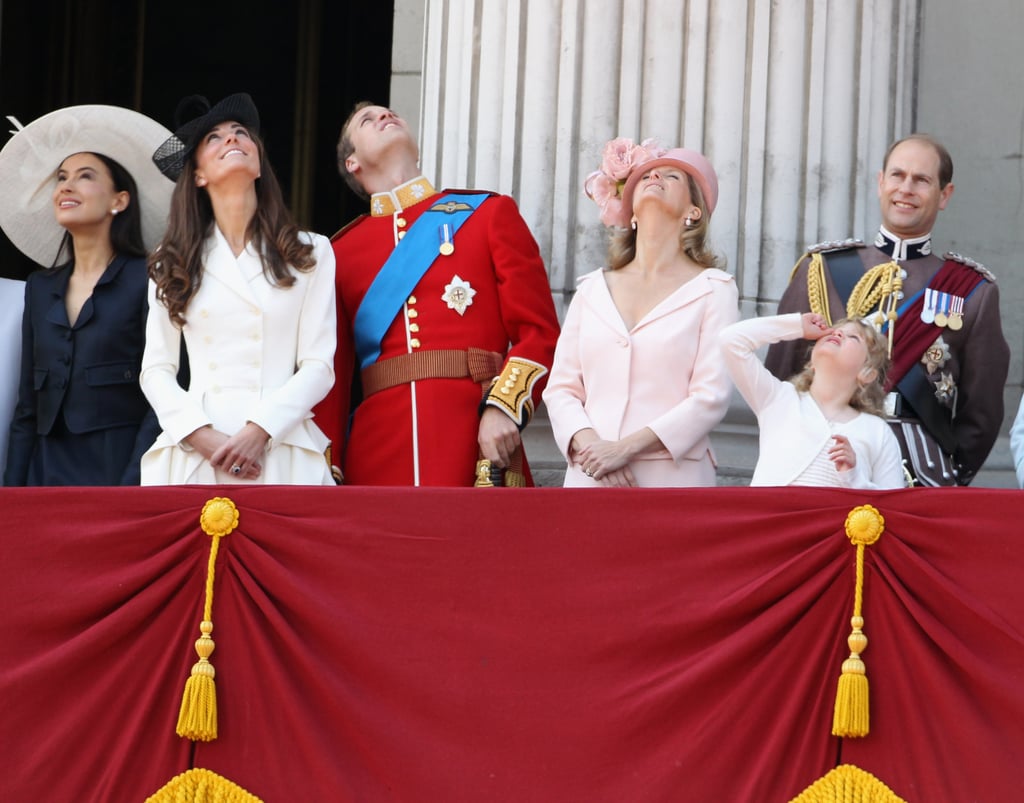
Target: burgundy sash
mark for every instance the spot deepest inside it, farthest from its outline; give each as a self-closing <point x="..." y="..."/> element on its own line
<point x="913" y="336"/>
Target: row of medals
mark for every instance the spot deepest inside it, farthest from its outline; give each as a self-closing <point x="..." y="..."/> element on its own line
<point x="943" y="309"/>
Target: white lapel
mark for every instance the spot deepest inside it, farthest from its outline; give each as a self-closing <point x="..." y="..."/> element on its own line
<point x="236" y="274"/>
<point x="698" y="287"/>
<point x="599" y="298"/>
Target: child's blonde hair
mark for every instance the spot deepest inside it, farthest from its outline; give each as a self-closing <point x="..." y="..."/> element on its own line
<point x="869" y="397"/>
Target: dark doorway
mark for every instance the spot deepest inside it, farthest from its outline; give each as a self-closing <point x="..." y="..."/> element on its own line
<point x="304" y="62"/>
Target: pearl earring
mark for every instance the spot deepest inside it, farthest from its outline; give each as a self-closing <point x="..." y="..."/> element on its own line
<point x="632" y="224"/>
<point x="688" y="222"/>
<point x="114" y="211"/>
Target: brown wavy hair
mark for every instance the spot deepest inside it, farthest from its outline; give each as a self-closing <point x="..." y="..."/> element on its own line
<point x="176" y="265"/>
<point x="693" y="240"/>
<point x="870" y="397"/>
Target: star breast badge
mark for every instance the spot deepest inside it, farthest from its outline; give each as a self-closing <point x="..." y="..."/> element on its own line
<point x="945" y="389"/>
<point x="937" y="355"/>
<point x="458" y="294"/>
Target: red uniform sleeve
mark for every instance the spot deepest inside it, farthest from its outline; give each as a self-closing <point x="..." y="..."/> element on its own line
<point x="524" y="293"/>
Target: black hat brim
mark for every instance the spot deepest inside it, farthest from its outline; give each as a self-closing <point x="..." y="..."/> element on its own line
<point x="170" y="157"/>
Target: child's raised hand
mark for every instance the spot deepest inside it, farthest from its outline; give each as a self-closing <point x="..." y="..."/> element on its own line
<point x="841" y="453"/>
<point x="815" y="326"/>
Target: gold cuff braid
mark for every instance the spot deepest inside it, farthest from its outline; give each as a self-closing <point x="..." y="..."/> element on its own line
<point x="512" y="391"/>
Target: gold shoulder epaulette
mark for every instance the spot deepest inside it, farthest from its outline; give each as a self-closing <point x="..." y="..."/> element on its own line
<point x="835" y="245"/>
<point x="955" y="257"/>
<point x="816" y="269"/>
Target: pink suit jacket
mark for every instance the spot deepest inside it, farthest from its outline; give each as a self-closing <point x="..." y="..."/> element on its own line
<point x="666" y="373"/>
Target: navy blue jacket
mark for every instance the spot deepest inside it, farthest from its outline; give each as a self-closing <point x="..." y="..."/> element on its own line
<point x="87" y="373"/>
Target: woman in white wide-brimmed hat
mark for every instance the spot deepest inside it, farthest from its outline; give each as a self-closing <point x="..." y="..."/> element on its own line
<point x="252" y="296"/>
<point x="80" y="196"/>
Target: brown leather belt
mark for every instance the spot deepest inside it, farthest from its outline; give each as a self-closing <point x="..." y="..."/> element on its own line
<point x="478" y="364"/>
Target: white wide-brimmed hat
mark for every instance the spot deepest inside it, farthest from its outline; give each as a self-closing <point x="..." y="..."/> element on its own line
<point x="29" y="162"/>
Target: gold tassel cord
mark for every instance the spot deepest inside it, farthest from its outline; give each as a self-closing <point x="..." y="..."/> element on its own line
<point x="197" y="719"/>
<point x="879" y="287"/>
<point x="864" y="526"/>
<point x="817" y="290"/>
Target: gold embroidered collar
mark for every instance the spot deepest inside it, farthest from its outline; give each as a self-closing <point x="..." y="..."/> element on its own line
<point x="401" y="197"/>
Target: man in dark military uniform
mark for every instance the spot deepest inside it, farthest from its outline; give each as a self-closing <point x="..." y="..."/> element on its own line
<point x="950" y="358"/>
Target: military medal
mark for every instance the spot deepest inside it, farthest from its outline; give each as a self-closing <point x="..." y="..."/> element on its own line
<point x="447" y="247"/>
<point x="458" y="294"/>
<point x="956" y="316"/>
<point x="941" y="319"/>
<point x="928" y="310"/>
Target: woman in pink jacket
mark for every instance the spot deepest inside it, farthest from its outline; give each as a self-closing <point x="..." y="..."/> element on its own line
<point x="637" y="382"/>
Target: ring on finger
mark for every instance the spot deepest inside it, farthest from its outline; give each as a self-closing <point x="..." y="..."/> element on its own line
<point x="236" y="469"/>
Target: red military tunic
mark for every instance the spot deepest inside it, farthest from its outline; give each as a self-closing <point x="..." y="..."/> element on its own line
<point x="425" y="432"/>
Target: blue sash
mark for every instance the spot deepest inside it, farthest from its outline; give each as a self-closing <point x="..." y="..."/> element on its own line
<point x="410" y="260"/>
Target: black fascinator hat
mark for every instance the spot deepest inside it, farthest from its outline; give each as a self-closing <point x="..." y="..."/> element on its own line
<point x="193" y="118"/>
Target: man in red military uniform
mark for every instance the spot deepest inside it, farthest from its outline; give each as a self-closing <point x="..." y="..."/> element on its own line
<point x="446" y="300"/>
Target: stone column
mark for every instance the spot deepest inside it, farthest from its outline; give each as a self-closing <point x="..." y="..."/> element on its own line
<point x="793" y="101"/>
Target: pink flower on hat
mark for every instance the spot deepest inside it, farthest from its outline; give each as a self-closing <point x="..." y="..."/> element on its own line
<point x="604" y="186"/>
<point x="606" y="192"/>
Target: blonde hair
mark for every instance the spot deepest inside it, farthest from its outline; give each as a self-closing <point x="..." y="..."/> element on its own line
<point x="693" y="240"/>
<point x="868" y="397"/>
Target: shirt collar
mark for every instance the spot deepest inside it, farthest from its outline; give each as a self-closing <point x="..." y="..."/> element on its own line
<point x="401" y="197"/>
<point x="912" y="248"/>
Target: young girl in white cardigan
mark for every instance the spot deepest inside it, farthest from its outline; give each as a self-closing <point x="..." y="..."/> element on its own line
<point x="823" y="427"/>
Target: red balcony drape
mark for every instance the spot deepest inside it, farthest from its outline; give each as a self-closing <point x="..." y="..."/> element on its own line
<point x="509" y="645"/>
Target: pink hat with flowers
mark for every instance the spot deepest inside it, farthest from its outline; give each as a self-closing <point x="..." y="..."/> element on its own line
<point x="622" y="166"/>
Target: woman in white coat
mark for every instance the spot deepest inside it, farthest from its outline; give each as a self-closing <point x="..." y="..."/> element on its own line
<point x="253" y="298"/>
<point x="637" y="382"/>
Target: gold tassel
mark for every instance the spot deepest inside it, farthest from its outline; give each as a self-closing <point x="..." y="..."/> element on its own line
<point x="201" y="786"/>
<point x="851" y="713"/>
<point x="197" y="719"/>
<point x="849" y="784"/>
<point x="864" y="526"/>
